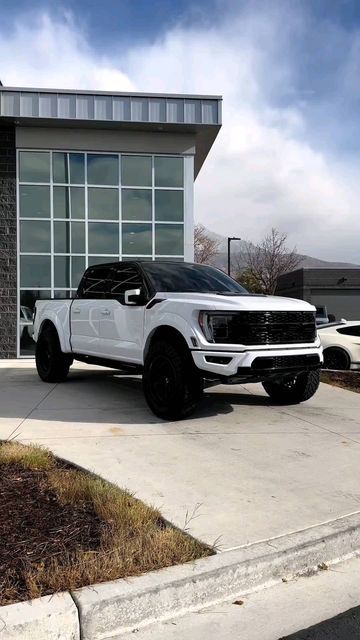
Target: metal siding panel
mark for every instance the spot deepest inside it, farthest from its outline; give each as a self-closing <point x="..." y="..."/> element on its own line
<point x="10" y="104"/>
<point x="29" y="104"/>
<point x="85" y="107"/>
<point x="48" y="105"/>
<point x="192" y="111"/>
<point x="121" y="108"/>
<point x="66" y="106"/>
<point x="157" y="110"/>
<point x="175" y="110"/>
<point x="139" y="109"/>
<point x="103" y="108"/>
<point x="209" y="111"/>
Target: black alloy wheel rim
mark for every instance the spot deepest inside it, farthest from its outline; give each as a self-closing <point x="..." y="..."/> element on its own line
<point x="162" y="378"/>
<point x="334" y="360"/>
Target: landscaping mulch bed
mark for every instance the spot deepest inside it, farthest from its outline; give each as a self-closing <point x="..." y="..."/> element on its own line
<point x="345" y="379"/>
<point x="61" y="528"/>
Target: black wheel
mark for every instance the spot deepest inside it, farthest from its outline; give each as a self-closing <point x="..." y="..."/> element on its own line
<point x="336" y="358"/>
<point x="172" y="386"/>
<point x="294" y="389"/>
<point x="51" y="363"/>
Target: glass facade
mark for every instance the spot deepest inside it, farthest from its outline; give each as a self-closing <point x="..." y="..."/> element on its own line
<point x="78" y="209"/>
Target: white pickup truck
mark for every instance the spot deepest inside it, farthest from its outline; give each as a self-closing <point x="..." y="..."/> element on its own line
<point x="180" y="324"/>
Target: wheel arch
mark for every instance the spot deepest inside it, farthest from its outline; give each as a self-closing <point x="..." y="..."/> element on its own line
<point x="48" y="322"/>
<point x="165" y="332"/>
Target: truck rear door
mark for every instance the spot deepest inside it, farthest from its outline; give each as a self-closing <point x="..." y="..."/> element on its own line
<point x="86" y="311"/>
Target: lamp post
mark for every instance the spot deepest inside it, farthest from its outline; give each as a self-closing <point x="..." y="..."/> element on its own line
<point x="228" y="251"/>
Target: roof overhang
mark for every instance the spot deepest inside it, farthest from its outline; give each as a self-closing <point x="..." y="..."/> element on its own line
<point x="161" y="113"/>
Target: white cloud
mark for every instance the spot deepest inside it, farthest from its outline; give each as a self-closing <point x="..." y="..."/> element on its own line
<point x="264" y="170"/>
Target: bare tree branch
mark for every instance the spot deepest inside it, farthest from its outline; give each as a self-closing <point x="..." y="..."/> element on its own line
<point x="205" y="247"/>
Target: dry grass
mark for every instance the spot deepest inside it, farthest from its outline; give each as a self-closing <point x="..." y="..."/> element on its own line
<point x="349" y="380"/>
<point x="134" y="537"/>
<point x="30" y="457"/>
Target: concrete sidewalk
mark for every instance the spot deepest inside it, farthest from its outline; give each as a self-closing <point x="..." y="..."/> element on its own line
<point x="240" y="471"/>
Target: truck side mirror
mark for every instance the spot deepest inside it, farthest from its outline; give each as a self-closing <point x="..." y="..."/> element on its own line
<point x="133" y="296"/>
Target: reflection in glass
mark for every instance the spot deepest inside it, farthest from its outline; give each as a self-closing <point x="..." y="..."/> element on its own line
<point x="137" y="239"/>
<point x="61" y="237"/>
<point x="62" y="271"/>
<point x="103" y="203"/>
<point x="136" y="204"/>
<point x="77" y="237"/>
<point x="65" y="294"/>
<point x="35" y="236"/>
<point x="27" y="302"/>
<point x="27" y="344"/>
<point x="169" y="239"/>
<point x="102" y="169"/>
<point x="136" y="171"/>
<point x="102" y="259"/>
<point x="169" y="172"/>
<point x="34" y="201"/>
<point x="77" y="270"/>
<point x="68" y="167"/>
<point x="169" y="205"/>
<point x="103" y="237"/>
<point x="34" y="166"/>
<point x="35" y="271"/>
<point x="69" y="202"/>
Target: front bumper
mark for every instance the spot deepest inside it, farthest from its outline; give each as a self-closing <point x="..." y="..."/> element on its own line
<point x="256" y="365"/>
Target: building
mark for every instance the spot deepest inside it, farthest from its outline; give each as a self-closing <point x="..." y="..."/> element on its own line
<point x="336" y="289"/>
<point x="88" y="177"/>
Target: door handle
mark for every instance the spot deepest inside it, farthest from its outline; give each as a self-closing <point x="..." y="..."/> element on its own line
<point x="76" y="310"/>
<point x="105" y="312"/>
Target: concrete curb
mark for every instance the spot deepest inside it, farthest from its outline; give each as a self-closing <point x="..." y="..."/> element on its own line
<point x="48" y="618"/>
<point x="110" y="609"/>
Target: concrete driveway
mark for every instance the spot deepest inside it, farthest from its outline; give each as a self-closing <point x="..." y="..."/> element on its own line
<point x="240" y="471"/>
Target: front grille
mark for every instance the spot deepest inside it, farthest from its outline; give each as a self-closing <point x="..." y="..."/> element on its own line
<point x="268" y="327"/>
<point x="285" y="362"/>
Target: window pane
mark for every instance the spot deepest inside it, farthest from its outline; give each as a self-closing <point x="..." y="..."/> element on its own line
<point x="34" y="166"/>
<point x="68" y="167"/>
<point x="62" y="271"/>
<point x="136" y="171"/>
<point x="137" y="239"/>
<point x="102" y="259"/>
<point x="169" y="205"/>
<point x="169" y="172"/>
<point x="27" y="302"/>
<point x="169" y="239"/>
<point x="61" y="237"/>
<point x="77" y="202"/>
<point x="34" y="201"/>
<point x="95" y="284"/>
<point x="35" y="236"/>
<point x="77" y="270"/>
<point x="102" y="169"/>
<point x="77" y="237"/>
<point x="103" y="204"/>
<point x="27" y="344"/>
<point x="103" y="237"/>
<point x="61" y="202"/>
<point x="136" y="204"/>
<point x="35" y="271"/>
<point x="64" y="294"/>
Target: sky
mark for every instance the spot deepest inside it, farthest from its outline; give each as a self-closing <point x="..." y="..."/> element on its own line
<point x="288" y="153"/>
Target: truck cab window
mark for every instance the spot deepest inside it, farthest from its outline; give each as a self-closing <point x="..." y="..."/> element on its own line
<point x="124" y="277"/>
<point x="95" y="283"/>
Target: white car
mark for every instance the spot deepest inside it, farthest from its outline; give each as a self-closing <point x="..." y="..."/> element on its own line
<point x="341" y="344"/>
<point x="178" y="324"/>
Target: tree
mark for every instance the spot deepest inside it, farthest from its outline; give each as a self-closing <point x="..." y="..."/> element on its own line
<point x="205" y="247"/>
<point x="265" y="262"/>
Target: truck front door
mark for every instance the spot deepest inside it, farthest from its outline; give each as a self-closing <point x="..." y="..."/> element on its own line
<point x="122" y="326"/>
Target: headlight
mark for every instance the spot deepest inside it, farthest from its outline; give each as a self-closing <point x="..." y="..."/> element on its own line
<point x="216" y="326"/>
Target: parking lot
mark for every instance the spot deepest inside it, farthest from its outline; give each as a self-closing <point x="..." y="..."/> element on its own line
<point x="239" y="471"/>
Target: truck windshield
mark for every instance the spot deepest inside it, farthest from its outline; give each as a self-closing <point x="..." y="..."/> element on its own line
<point x="183" y="277"/>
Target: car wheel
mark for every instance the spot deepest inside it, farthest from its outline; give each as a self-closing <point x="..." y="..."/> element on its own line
<point x="294" y="389"/>
<point x="172" y="385"/>
<point x="51" y="363"/>
<point x="336" y="358"/>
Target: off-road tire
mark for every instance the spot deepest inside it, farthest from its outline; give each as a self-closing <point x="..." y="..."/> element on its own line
<point x="336" y="358"/>
<point x="294" y="389"/>
<point x="51" y="363"/>
<point x="172" y="385"/>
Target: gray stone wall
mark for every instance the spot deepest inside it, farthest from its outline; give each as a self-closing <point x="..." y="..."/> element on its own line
<point x="7" y="242"/>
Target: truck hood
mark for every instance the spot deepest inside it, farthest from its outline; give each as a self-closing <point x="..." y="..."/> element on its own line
<point x="238" y="302"/>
